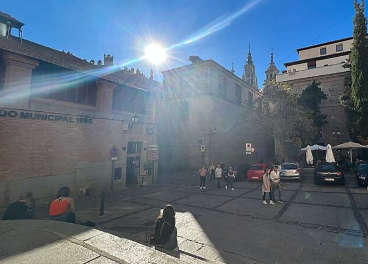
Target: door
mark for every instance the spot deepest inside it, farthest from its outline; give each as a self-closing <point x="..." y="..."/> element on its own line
<point x="130" y="175"/>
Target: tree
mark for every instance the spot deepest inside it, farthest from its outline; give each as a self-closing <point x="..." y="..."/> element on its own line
<point x="358" y="106"/>
<point x="311" y="99"/>
<point x="284" y="119"/>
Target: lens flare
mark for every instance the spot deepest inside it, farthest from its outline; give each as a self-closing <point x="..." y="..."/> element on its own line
<point x="155" y="53"/>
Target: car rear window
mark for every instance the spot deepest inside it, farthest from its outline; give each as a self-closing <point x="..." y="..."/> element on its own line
<point x="363" y="167"/>
<point x="328" y="167"/>
<point x="289" y="167"/>
<point x="256" y="168"/>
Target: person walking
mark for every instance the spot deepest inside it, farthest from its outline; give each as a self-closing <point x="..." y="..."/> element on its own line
<point x="218" y="175"/>
<point x="230" y="179"/>
<point x="202" y="177"/>
<point x="212" y="171"/>
<point x="266" y="186"/>
<point x="275" y="184"/>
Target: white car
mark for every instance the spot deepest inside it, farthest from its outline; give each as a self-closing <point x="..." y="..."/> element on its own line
<point x="289" y="171"/>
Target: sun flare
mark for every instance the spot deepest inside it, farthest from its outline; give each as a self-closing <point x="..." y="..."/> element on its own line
<point x="155" y="53"/>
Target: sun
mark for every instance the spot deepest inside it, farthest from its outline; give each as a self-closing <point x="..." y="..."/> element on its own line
<point x="155" y="53"/>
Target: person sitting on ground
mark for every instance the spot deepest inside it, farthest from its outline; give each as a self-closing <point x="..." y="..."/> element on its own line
<point x="165" y="235"/>
<point x="62" y="208"/>
<point x="21" y="209"/>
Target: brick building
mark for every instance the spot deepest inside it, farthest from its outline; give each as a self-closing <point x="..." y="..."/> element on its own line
<point x="204" y="104"/>
<point x="323" y="63"/>
<point x="62" y="118"/>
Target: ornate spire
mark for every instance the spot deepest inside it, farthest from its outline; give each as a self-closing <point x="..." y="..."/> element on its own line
<point x="232" y="68"/>
<point x="249" y="59"/>
<point x="272" y="56"/>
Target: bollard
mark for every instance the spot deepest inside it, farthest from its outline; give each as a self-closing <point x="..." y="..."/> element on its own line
<point x="102" y="204"/>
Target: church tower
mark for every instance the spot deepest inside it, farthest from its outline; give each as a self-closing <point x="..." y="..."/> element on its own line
<point x="271" y="71"/>
<point x="249" y="75"/>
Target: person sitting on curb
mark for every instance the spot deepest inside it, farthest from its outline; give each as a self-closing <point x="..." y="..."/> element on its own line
<point x="62" y="208"/>
<point x="21" y="209"/>
<point x="165" y="235"/>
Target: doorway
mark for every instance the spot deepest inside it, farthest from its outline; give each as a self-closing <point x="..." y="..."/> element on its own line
<point x="130" y="175"/>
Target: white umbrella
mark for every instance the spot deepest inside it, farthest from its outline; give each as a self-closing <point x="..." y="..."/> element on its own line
<point x="350" y="145"/>
<point x="309" y="156"/>
<point x="315" y="147"/>
<point x="329" y="155"/>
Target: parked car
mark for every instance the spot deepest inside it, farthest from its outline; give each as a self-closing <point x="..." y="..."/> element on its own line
<point x="256" y="172"/>
<point x="290" y="171"/>
<point x="361" y="173"/>
<point x="328" y="172"/>
<point x="241" y="171"/>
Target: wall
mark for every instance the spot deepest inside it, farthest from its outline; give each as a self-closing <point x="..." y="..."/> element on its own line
<point x="43" y="155"/>
<point x="330" y="48"/>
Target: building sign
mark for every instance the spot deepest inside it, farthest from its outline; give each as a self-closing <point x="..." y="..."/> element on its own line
<point x="152" y="152"/>
<point x="29" y="115"/>
<point x="248" y="148"/>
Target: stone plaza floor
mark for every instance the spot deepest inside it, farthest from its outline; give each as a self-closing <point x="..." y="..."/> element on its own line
<point x="315" y="224"/>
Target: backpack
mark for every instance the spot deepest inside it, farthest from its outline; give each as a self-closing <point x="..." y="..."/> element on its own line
<point x="173" y="240"/>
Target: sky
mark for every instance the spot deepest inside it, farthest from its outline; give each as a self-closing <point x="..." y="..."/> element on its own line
<point x="211" y="29"/>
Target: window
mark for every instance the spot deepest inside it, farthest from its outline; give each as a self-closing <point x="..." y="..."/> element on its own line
<point x="250" y="99"/>
<point x="339" y="47"/>
<point x="129" y="99"/>
<point x="311" y="64"/>
<point x="238" y="93"/>
<point x="184" y="111"/>
<point x="134" y="147"/>
<point x="57" y="83"/>
<point x="2" y="74"/>
<point x="323" y="51"/>
<point x="222" y="85"/>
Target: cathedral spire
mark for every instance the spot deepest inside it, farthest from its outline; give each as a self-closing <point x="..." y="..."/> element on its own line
<point x="249" y="59"/>
<point x="249" y="75"/>
<point x="272" y="56"/>
<point x="271" y="71"/>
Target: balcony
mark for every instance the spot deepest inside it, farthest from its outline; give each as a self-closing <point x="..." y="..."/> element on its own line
<point x="308" y="73"/>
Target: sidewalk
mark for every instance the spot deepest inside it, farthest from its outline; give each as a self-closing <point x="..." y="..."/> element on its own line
<point x="43" y="241"/>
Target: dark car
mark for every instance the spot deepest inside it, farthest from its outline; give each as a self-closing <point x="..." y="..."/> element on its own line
<point x="328" y="172"/>
<point x="361" y="173"/>
<point x="241" y="171"/>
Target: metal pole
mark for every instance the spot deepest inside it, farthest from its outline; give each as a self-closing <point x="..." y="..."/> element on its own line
<point x="112" y="175"/>
<point x="102" y="204"/>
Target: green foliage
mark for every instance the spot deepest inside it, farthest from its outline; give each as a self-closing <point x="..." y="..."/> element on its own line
<point x="358" y="105"/>
<point x="311" y="99"/>
<point x="284" y="118"/>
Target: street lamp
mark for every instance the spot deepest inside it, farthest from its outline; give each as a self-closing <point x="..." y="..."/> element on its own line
<point x="135" y="118"/>
<point x="337" y="133"/>
<point x="209" y="144"/>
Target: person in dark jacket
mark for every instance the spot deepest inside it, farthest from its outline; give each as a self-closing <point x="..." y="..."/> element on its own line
<point x="165" y="231"/>
<point x="21" y="209"/>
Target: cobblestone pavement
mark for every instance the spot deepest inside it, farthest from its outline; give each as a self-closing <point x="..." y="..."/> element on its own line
<point x="315" y="224"/>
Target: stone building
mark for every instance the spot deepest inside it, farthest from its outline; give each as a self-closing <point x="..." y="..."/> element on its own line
<point x="204" y="104"/>
<point x="324" y="64"/>
<point x="62" y="119"/>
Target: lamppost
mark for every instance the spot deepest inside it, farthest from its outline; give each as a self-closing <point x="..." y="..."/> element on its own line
<point x="209" y="145"/>
<point x="337" y="133"/>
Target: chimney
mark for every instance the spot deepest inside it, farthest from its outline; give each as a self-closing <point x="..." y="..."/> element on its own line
<point x="195" y="59"/>
<point x="108" y="60"/>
